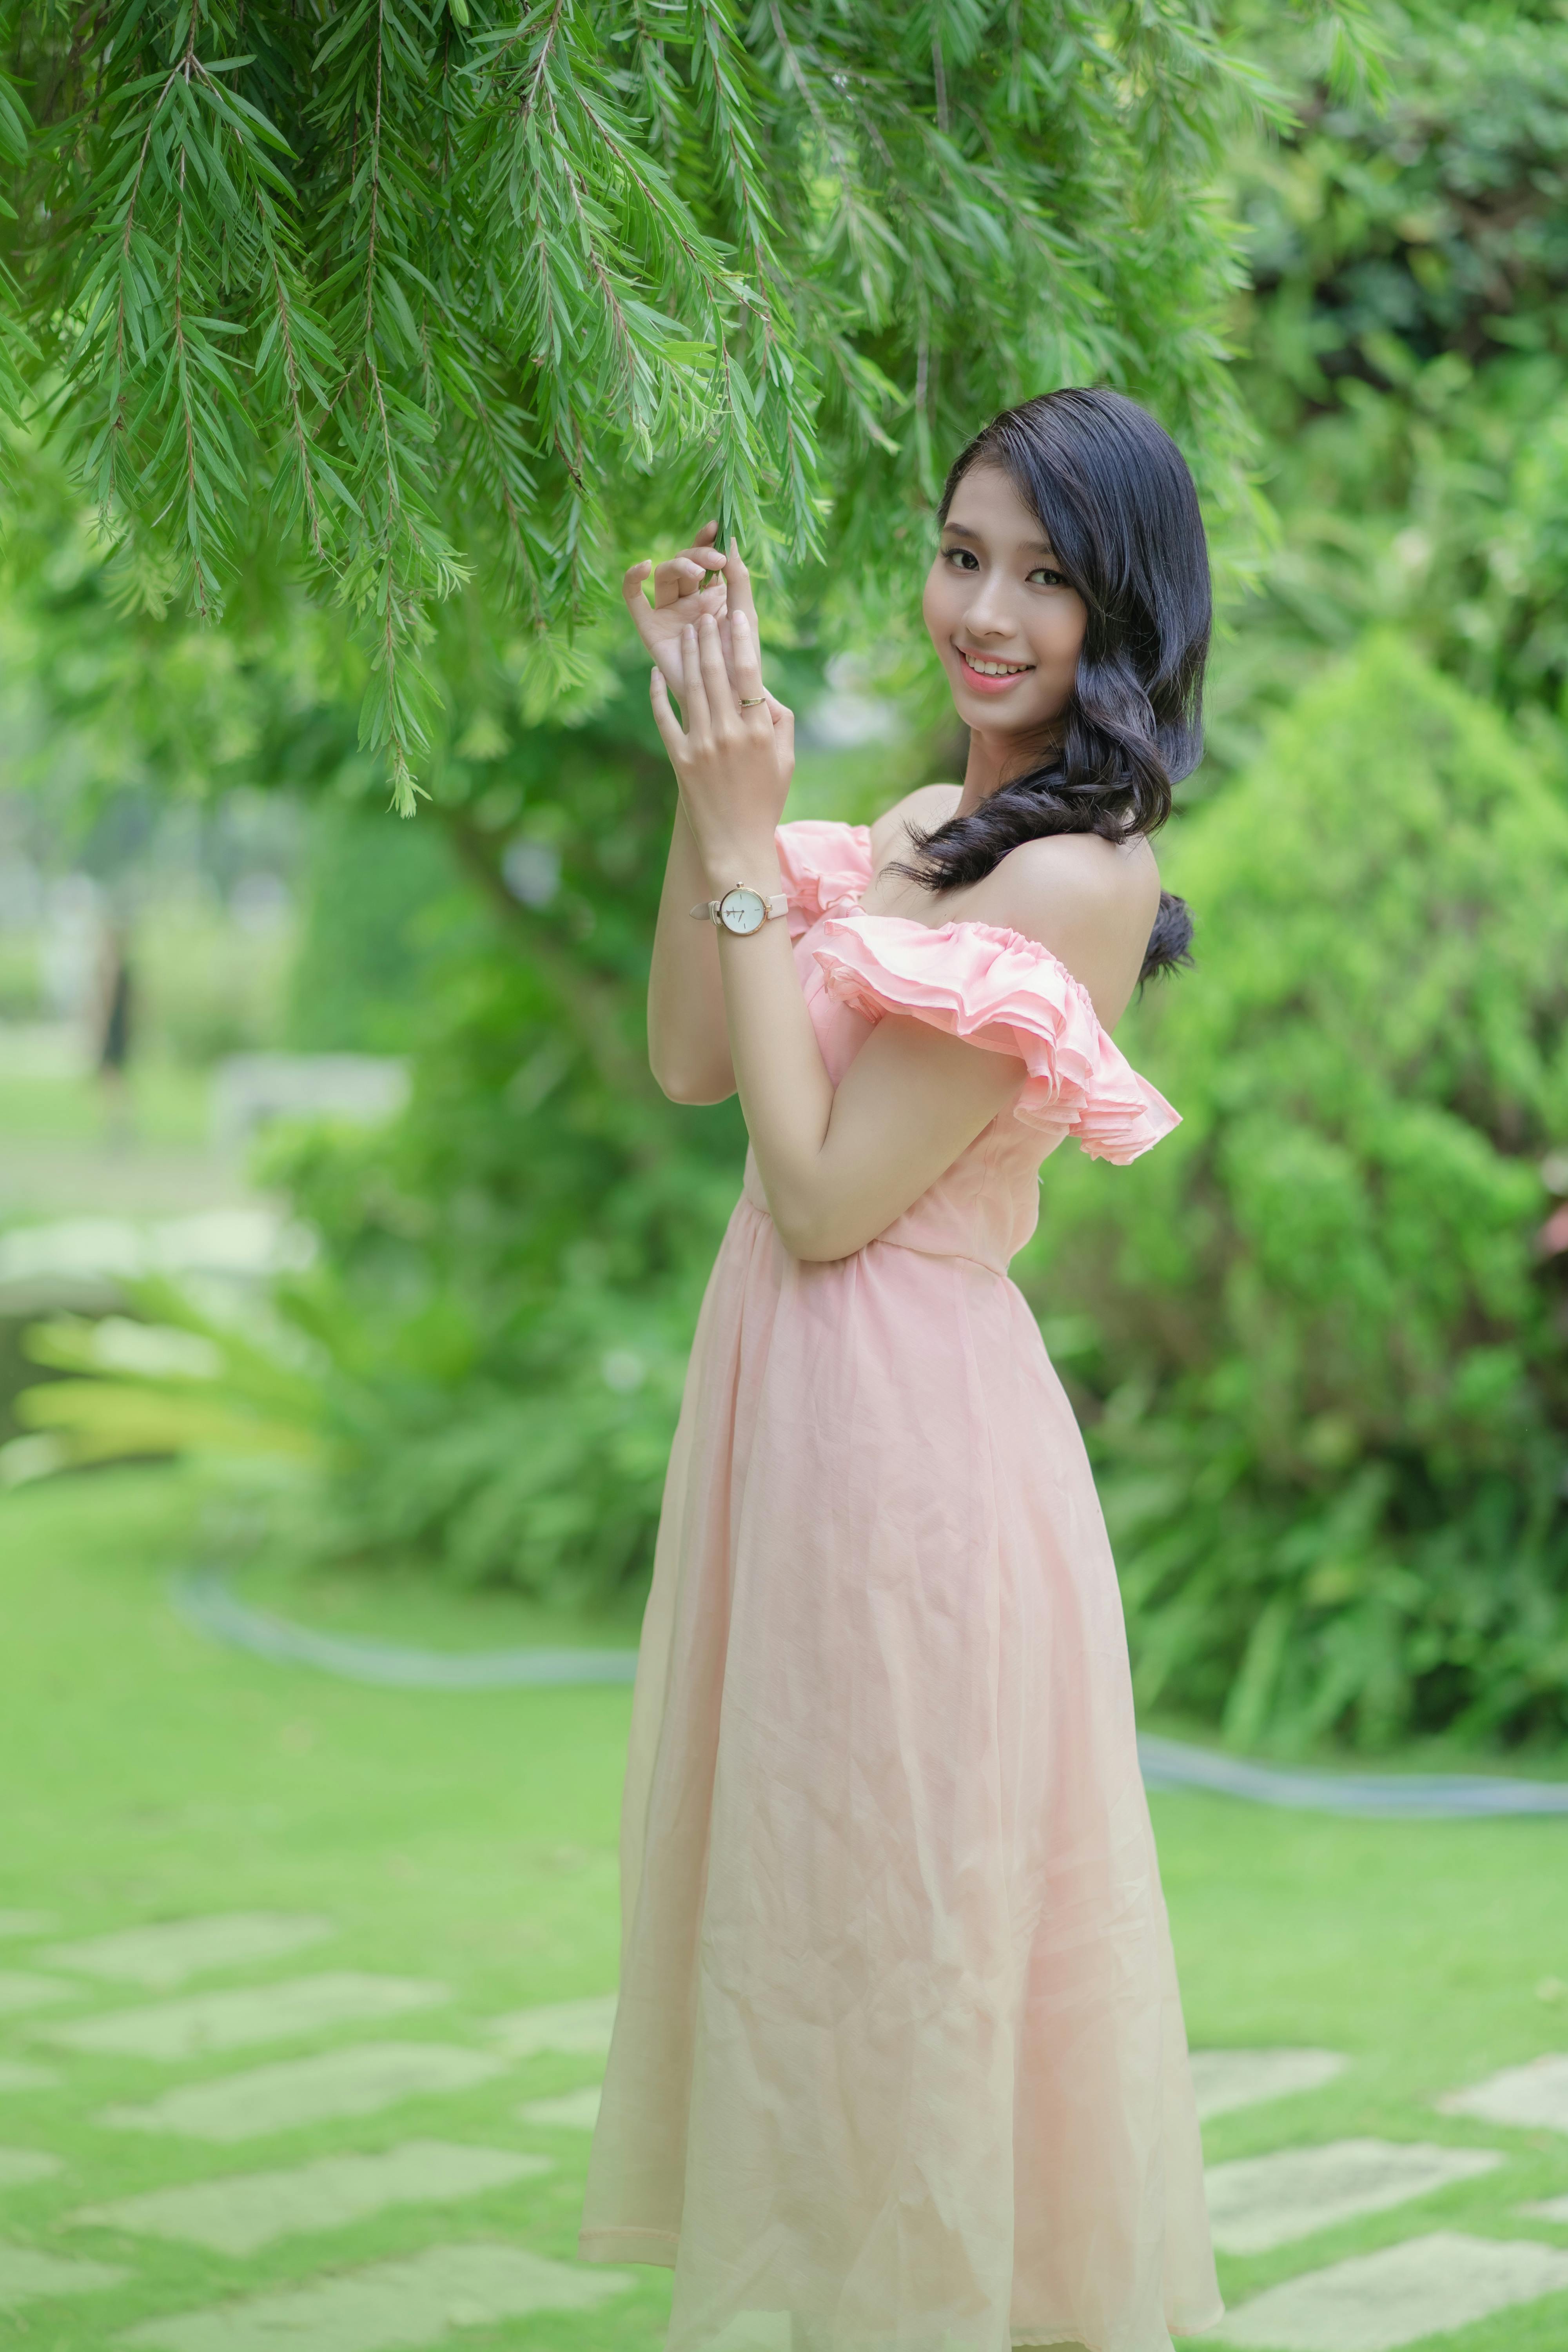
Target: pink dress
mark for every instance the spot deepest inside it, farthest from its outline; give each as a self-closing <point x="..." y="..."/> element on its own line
<point x="898" y="2061"/>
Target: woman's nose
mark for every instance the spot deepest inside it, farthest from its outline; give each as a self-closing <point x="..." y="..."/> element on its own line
<point x="987" y="613"/>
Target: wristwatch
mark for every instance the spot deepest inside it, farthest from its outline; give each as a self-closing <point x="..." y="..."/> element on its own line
<point x="741" y="910"/>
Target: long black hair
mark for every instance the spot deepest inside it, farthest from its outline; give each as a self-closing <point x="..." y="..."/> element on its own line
<point x="1115" y="497"/>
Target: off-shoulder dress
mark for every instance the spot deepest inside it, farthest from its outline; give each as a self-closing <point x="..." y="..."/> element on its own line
<point x="898" y="2061"/>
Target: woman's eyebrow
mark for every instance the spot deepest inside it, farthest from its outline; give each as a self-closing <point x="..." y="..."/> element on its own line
<point x="1030" y="546"/>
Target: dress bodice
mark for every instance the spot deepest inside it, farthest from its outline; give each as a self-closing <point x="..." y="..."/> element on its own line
<point x="996" y="988"/>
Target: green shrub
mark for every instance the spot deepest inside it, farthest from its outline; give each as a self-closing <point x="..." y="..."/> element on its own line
<point x="1404" y="345"/>
<point x="1328" y="1397"/>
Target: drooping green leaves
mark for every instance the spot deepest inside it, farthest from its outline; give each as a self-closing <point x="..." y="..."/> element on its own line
<point x="425" y="292"/>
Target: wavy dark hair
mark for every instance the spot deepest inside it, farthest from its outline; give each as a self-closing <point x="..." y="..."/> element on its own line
<point x="1115" y="497"/>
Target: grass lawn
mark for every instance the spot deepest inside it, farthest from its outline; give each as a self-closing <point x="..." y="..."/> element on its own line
<point x="468" y="1842"/>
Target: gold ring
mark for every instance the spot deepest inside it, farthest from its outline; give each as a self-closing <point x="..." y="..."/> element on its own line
<point x="752" y="701"/>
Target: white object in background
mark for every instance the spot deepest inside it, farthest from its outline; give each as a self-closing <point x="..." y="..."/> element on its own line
<point x="1227" y="2079"/>
<point x="248" y="1243"/>
<point x="577" y="2028"/>
<point x="1260" y="2202"/>
<point x="248" y="1089"/>
<point x="531" y="871"/>
<point x="60" y="1050"/>
<point x="851" y="711"/>
<point x="71" y="944"/>
<point x="1403" y="2295"/>
<point x="21" y="894"/>
<point x="1531" y="2097"/>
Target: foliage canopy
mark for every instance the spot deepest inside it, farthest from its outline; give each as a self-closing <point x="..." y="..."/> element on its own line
<point x="432" y="291"/>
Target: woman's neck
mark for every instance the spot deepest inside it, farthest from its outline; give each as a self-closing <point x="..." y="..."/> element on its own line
<point x="994" y="760"/>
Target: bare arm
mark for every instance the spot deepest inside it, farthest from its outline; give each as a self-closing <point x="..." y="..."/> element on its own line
<point x="687" y="1038"/>
<point x="688" y="1035"/>
<point x="837" y="1166"/>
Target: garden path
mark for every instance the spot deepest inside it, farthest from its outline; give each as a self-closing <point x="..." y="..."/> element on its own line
<point x="304" y="1996"/>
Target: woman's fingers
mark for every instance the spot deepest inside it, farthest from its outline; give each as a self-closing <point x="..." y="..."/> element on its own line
<point x="745" y="660"/>
<point x="784" y="734"/>
<point x="693" y="690"/>
<point x="631" y="586"/>
<point x="720" y="694"/>
<point x="705" y="558"/>
<point x="738" y="598"/>
<point x="684" y="575"/>
<point x="637" y="606"/>
<point x="738" y="581"/>
<point x="664" y="717"/>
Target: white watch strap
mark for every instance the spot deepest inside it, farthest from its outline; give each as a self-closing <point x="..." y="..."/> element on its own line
<point x="707" y="910"/>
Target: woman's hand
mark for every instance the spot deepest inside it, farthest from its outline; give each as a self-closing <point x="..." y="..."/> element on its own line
<point x="683" y="591"/>
<point x="732" y="757"/>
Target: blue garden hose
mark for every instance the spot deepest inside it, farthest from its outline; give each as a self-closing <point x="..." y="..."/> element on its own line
<point x="204" y="1597"/>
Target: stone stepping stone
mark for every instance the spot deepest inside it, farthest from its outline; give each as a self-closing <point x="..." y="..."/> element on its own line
<point x="357" y="2080"/>
<point x="1554" y="2209"/>
<point x="20" y="2164"/>
<point x="15" y="2075"/>
<point x="577" y="2111"/>
<point x="575" y="2029"/>
<point x="197" y="2022"/>
<point x="1375" y="2303"/>
<point x="1226" y="2079"/>
<point x="249" y="2210"/>
<point x="1533" y="2097"/>
<point x="26" y="2276"/>
<point x="176" y="1949"/>
<point x="20" y="1990"/>
<point x="388" y="2306"/>
<point x="27" y="1923"/>
<point x="1261" y="2201"/>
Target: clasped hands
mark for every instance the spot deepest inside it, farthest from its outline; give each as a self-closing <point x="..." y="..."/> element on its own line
<point x="732" y="747"/>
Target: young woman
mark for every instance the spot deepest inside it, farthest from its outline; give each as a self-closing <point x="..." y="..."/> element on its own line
<point x="898" y="2061"/>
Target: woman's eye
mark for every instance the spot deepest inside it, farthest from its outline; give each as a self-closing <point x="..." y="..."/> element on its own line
<point x="964" y="557"/>
<point x="1046" y="577"/>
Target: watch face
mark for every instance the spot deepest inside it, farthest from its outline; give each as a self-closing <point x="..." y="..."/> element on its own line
<point x="742" y="910"/>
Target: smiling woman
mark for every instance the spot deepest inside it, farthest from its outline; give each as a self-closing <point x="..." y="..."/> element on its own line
<point x="899" y="2063"/>
<point x="1070" y="607"/>
<point x="1000" y="610"/>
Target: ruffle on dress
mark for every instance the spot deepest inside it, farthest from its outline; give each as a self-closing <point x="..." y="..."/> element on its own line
<point x="1004" y="991"/>
<point x="823" y="865"/>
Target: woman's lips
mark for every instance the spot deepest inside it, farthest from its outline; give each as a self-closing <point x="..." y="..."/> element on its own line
<point x="978" y="681"/>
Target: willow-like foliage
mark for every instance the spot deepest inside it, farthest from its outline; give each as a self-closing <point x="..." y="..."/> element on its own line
<point x="422" y="290"/>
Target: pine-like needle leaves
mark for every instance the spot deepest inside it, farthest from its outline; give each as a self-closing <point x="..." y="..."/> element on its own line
<point x="473" y="287"/>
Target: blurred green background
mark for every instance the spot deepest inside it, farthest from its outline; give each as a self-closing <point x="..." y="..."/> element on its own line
<point x="372" y="1282"/>
<point x="1317" y="1341"/>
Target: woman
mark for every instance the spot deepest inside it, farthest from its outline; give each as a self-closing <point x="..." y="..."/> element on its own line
<point x="898" y="2061"/>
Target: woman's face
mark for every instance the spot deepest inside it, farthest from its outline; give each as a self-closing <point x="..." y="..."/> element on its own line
<point x="1002" y="619"/>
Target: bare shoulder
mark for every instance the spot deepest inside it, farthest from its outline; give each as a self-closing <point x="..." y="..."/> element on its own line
<point x="927" y="806"/>
<point x="1066" y="873"/>
<point x="1091" y="902"/>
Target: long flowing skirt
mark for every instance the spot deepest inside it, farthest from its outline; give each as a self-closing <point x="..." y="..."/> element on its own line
<point x="899" y="2063"/>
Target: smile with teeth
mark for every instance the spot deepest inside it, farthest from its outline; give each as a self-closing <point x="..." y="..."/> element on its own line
<point x="985" y="666"/>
